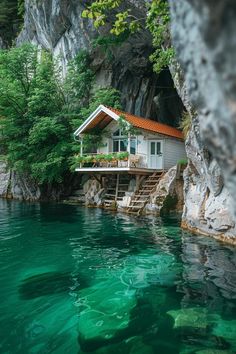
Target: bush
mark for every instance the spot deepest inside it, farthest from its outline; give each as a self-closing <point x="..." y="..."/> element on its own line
<point x="186" y="123"/>
<point x="39" y="112"/>
<point x="182" y="162"/>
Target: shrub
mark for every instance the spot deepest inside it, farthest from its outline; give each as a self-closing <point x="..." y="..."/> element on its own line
<point x="185" y="124"/>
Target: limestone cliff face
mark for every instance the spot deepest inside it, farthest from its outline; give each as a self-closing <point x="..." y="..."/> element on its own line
<point x="58" y="26"/>
<point x="208" y="204"/>
<point x="204" y="37"/>
<point x="13" y="185"/>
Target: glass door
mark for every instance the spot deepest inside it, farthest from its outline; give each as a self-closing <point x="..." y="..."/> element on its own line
<point x="155" y="154"/>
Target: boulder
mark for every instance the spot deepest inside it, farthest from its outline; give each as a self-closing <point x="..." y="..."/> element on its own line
<point x="107" y="314"/>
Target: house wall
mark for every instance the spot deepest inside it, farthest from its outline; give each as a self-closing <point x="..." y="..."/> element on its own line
<point x="173" y="151"/>
<point x="106" y="141"/>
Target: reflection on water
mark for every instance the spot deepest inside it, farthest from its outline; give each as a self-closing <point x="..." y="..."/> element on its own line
<point x="78" y="280"/>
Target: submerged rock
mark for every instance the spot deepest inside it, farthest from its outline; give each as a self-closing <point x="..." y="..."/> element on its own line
<point x="226" y="330"/>
<point x="158" y="269"/>
<point x="196" y="317"/>
<point x="214" y="351"/>
<point x="106" y="315"/>
<point x="47" y="284"/>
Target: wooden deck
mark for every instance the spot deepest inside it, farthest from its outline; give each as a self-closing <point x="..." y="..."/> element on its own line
<point x="115" y="170"/>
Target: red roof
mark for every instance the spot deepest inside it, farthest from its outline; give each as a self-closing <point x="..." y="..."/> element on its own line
<point x="148" y="124"/>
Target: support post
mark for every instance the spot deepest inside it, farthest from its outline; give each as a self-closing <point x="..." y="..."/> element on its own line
<point x="128" y="149"/>
<point x="117" y="186"/>
<point x="81" y="150"/>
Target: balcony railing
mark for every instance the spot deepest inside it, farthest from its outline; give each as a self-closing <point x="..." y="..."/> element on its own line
<point x="112" y="160"/>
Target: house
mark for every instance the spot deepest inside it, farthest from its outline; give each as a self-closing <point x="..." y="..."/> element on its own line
<point x="130" y="144"/>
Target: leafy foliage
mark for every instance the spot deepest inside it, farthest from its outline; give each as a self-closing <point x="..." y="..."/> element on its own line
<point x="39" y="111"/>
<point x="106" y="96"/>
<point x="11" y="17"/>
<point x="127" y="128"/>
<point x="106" y="43"/>
<point x="157" y="22"/>
<point x="91" y="159"/>
<point x="99" y="11"/>
<point x="79" y="82"/>
<point x="185" y="124"/>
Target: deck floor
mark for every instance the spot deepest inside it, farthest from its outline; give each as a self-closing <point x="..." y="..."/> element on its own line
<point x="110" y="170"/>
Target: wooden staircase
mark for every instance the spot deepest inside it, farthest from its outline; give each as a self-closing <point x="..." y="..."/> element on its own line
<point x="142" y="196"/>
<point x="117" y="186"/>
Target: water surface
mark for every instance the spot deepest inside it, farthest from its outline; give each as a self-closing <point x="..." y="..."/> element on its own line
<point x="76" y="280"/>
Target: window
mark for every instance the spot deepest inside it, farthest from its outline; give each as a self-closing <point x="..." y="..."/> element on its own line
<point x="115" y="145"/>
<point x="120" y="145"/>
<point x="153" y="148"/>
<point x="116" y="133"/>
<point x="158" y="148"/>
<point x="123" y="145"/>
<point x="133" y="146"/>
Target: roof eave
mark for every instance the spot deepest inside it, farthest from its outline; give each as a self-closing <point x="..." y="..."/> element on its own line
<point x="100" y="109"/>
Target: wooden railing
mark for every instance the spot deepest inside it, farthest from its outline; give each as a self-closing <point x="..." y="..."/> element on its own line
<point x="95" y="160"/>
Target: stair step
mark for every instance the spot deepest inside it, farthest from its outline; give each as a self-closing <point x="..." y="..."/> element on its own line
<point x="134" y="207"/>
<point x="153" y="181"/>
<point x="142" y="198"/>
<point x="144" y="191"/>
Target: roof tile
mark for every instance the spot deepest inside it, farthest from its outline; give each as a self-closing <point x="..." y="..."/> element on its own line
<point x="148" y="124"/>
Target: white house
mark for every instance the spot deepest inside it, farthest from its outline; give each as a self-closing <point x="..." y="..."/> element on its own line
<point x="146" y="146"/>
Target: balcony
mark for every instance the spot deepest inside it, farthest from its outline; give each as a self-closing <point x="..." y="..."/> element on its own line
<point x="112" y="162"/>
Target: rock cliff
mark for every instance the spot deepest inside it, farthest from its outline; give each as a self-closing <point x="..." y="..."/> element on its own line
<point x="204" y="37"/>
<point x="58" y="26"/>
<point x="13" y="185"/>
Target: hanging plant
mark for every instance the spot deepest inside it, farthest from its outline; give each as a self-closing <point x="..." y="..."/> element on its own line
<point x="127" y="128"/>
<point x="119" y="156"/>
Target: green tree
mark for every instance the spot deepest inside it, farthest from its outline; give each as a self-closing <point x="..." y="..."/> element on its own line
<point x="11" y="18"/>
<point x="78" y="83"/>
<point x="156" y="21"/>
<point x="35" y="133"/>
<point x="39" y="111"/>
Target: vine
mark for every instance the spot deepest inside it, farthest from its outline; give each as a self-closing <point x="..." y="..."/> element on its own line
<point x="157" y="22"/>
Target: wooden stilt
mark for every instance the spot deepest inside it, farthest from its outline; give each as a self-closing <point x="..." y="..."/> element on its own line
<point x="117" y="186"/>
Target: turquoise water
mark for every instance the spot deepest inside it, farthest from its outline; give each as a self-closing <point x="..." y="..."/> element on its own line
<point x="77" y="280"/>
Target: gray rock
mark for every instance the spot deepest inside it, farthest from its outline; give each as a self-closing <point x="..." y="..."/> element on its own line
<point x="57" y="25"/>
<point x="168" y="195"/>
<point x="4" y="179"/>
<point x="24" y="188"/>
<point x="208" y="204"/>
<point x="16" y="186"/>
<point x="204" y="37"/>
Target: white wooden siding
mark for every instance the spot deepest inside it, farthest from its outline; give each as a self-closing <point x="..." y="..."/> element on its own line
<point x="173" y="151"/>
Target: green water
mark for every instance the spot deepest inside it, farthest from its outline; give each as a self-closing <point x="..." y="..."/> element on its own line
<point x="77" y="280"/>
